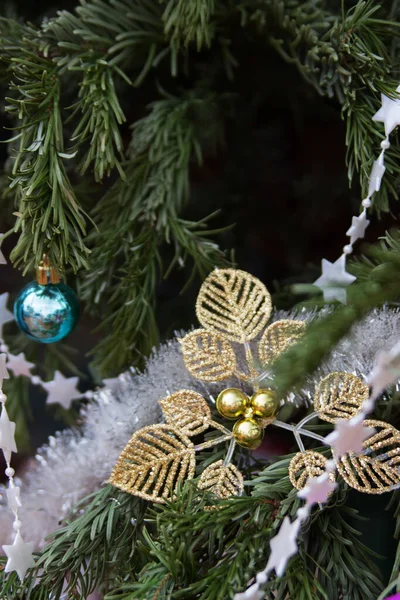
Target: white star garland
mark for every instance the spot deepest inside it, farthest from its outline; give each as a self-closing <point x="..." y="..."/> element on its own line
<point x="334" y="279"/>
<point x="348" y="436"/>
<point x="61" y="390"/>
<point x="20" y="553"/>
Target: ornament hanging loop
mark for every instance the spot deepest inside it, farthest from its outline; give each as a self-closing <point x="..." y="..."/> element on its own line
<point x="46" y="273"/>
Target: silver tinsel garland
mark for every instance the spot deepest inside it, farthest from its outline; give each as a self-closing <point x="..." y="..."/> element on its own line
<point x="76" y="462"/>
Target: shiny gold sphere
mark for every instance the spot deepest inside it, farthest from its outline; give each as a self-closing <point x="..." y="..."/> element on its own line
<point x="231" y="403"/>
<point x="248" y="433"/>
<point x="264" y="403"/>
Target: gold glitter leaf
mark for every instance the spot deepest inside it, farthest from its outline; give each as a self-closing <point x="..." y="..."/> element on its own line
<point x="304" y="465"/>
<point x="339" y="396"/>
<point x="187" y="410"/>
<point x="207" y="356"/>
<point x="234" y="304"/>
<point x="278" y="337"/>
<point x="153" y="462"/>
<point x="376" y="469"/>
<point x="222" y="480"/>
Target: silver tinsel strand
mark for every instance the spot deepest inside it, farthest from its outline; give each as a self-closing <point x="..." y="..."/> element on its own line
<point x="76" y="462"/>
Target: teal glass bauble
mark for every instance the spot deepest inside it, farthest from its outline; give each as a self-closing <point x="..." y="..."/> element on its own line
<point x="46" y="313"/>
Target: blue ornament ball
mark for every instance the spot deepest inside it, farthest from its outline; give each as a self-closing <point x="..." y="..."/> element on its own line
<point x="46" y="313"/>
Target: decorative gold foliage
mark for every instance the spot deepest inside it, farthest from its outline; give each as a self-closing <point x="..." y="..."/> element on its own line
<point x="153" y="462"/>
<point x="339" y="396"/>
<point x="222" y="480"/>
<point x="304" y="465"/>
<point x="376" y="469"/>
<point x="188" y="411"/>
<point x="278" y="337"/>
<point x="234" y="304"/>
<point x="207" y="356"/>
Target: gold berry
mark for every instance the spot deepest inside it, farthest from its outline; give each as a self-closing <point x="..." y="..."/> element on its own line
<point x="231" y="403"/>
<point x="248" y="433"/>
<point x="264" y="403"/>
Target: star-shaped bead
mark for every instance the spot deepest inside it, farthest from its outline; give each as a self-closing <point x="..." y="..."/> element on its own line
<point x="358" y="227"/>
<point x="19" y="556"/>
<point x="334" y="279"/>
<point x="386" y="370"/>
<point x="3" y="369"/>
<point x="5" y="314"/>
<point x="2" y="257"/>
<point x="13" y="497"/>
<point x="62" y="390"/>
<point x="349" y="435"/>
<point x="389" y="113"/>
<point x="377" y="172"/>
<point x="19" y="365"/>
<point x="283" y="546"/>
<point x="317" y="489"/>
<point x="7" y="432"/>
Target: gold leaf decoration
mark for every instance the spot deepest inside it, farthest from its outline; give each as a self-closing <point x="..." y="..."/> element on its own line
<point x="304" y="465"/>
<point x="207" y="356"/>
<point x="153" y="462"/>
<point x="278" y="337"/>
<point x="339" y="396"/>
<point x="222" y="480"/>
<point x="188" y="411"/>
<point x="376" y="469"/>
<point x="234" y="304"/>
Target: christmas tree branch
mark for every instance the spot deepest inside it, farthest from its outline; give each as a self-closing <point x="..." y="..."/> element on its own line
<point x="144" y="209"/>
<point x="378" y="283"/>
<point x="187" y="22"/>
<point x="345" y="56"/>
<point x="50" y="218"/>
<point x="106" y="532"/>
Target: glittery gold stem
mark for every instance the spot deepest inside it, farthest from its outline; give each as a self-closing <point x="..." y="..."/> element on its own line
<point x="254" y="374"/>
<point x="220" y="427"/>
<point x="212" y="443"/>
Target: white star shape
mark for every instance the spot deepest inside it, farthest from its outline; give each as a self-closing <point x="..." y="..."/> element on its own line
<point x="19" y="365"/>
<point x="3" y="369"/>
<point x="13" y="497"/>
<point x="2" y="257"/>
<point x="386" y="370"/>
<point x="348" y="436"/>
<point x="358" y="227"/>
<point x="389" y="113"/>
<point x="377" y="172"/>
<point x="317" y="489"/>
<point x="5" y="314"/>
<point x="62" y="390"/>
<point x="283" y="546"/>
<point x="334" y="279"/>
<point x="19" y="556"/>
<point x="7" y="432"/>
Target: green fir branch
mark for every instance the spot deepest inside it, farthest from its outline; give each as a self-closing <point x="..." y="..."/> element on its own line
<point x="187" y="22"/>
<point x="144" y="209"/>
<point x="50" y="219"/>
<point x="84" y="552"/>
<point x="378" y="283"/>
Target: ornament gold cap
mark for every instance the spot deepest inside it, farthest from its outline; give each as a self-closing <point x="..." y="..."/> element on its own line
<point x="45" y="273"/>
